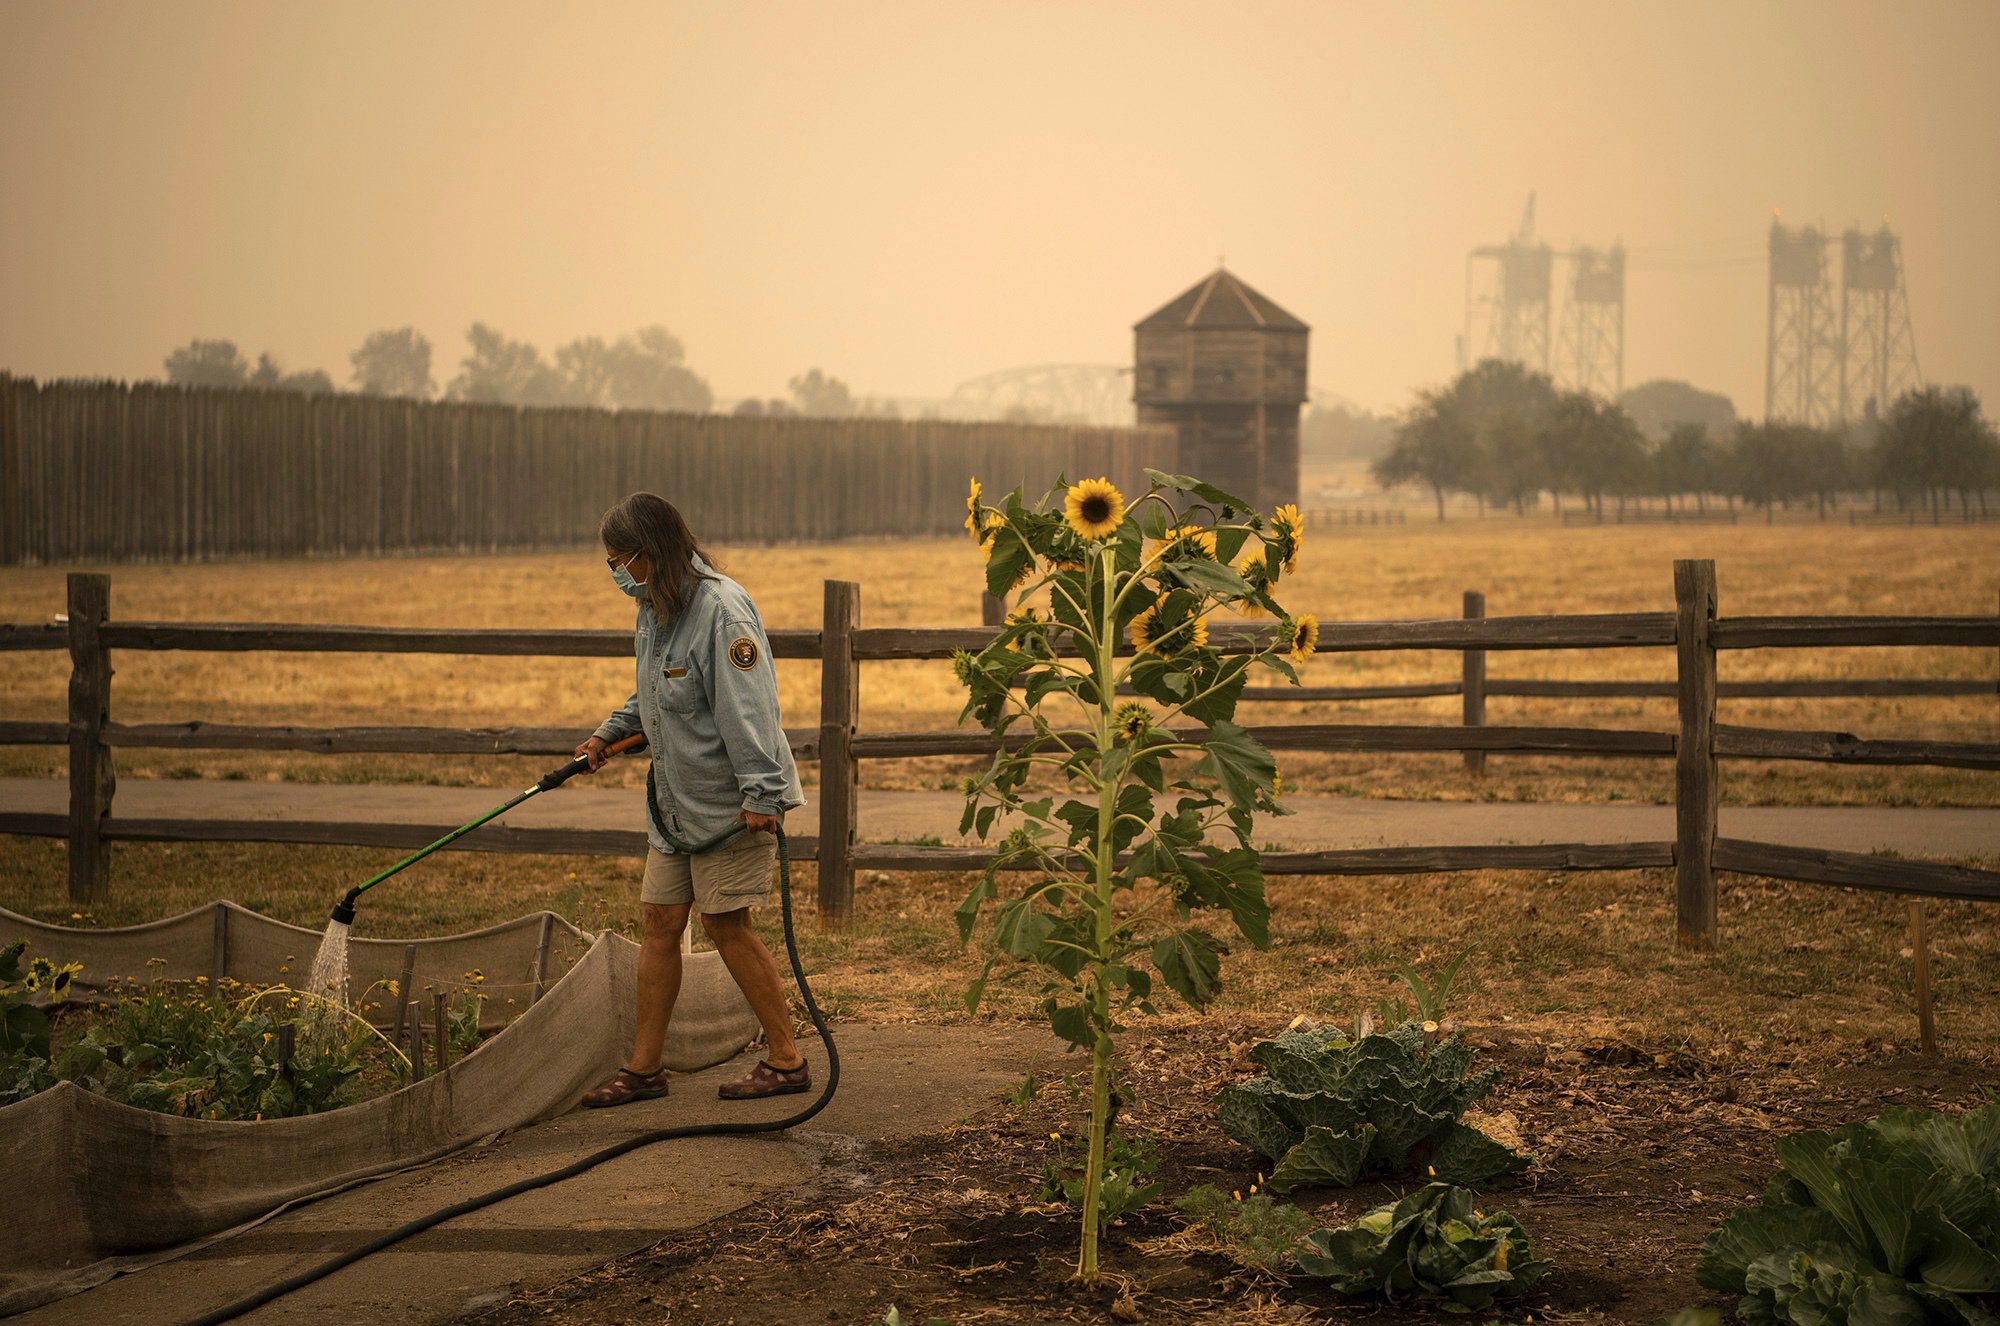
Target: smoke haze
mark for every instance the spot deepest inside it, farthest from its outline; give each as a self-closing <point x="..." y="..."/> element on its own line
<point x="910" y="195"/>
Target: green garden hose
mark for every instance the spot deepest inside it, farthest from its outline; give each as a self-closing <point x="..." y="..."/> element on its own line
<point x="231" y="1311"/>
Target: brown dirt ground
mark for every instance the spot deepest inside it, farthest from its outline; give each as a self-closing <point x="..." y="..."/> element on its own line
<point x="1641" y="1151"/>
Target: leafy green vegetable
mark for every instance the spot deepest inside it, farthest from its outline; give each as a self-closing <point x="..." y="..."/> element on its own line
<point x="1886" y="1222"/>
<point x="1329" y="1110"/>
<point x="1432" y="1244"/>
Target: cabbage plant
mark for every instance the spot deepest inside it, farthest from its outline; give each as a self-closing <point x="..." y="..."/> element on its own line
<point x="1894" y="1221"/>
<point x="1330" y="1110"/>
<point x="1113" y="873"/>
<point x="1432" y="1244"/>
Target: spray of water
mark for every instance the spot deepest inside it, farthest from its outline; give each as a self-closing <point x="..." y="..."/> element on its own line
<point x="327" y="982"/>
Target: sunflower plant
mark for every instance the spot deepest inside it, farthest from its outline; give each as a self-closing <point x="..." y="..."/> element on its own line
<point x="1127" y="785"/>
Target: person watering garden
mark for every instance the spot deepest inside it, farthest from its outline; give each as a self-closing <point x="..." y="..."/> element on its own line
<point x="707" y="700"/>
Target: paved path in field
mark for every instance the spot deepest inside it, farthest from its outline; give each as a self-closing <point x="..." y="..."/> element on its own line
<point x="1318" y="822"/>
<point x="895" y="1081"/>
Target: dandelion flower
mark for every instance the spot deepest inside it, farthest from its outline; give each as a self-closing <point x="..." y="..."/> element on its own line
<point x="1291" y="532"/>
<point x="1093" y="508"/>
<point x="972" y="510"/>
<point x="1132" y="720"/>
<point x="1303" y="637"/>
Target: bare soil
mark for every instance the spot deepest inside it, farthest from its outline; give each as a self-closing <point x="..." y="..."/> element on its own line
<point x="1641" y="1151"/>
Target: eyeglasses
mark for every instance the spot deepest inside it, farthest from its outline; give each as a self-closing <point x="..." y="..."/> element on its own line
<point x="615" y="562"/>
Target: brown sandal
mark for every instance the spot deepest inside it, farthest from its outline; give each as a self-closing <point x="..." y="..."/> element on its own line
<point x="626" y="1085"/>
<point x="764" y="1080"/>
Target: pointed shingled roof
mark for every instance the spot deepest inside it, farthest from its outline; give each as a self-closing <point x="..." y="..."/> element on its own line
<point x="1221" y="300"/>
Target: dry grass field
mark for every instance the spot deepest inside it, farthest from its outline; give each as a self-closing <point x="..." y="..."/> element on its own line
<point x="1565" y="957"/>
<point x="1415" y="570"/>
<point x="1581" y="927"/>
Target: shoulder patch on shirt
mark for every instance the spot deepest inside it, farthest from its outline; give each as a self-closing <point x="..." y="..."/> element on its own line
<point x="743" y="653"/>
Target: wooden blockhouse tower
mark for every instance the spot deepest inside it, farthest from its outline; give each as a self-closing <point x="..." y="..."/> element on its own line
<point x="1227" y="368"/>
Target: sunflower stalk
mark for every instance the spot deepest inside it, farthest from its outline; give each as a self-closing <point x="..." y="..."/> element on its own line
<point x="1097" y="956"/>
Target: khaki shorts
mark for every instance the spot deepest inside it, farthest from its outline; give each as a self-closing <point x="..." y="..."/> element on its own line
<point x="722" y="879"/>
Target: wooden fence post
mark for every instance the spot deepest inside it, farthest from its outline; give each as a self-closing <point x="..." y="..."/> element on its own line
<point x="1697" y="788"/>
<point x="541" y="970"/>
<point x="91" y="780"/>
<point x="1474" y="685"/>
<point x="992" y="611"/>
<point x="218" y="965"/>
<point x="441" y="1029"/>
<point x="403" y="996"/>
<point x="839" y="782"/>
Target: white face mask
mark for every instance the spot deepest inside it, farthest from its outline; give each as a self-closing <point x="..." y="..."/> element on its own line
<point x="625" y="581"/>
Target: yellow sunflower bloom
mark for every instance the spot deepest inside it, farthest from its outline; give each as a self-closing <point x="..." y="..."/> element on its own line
<point x="1149" y="632"/>
<point x="1093" y="508"/>
<point x="972" y="510"/>
<point x="1304" y="637"/>
<point x="1291" y="532"/>
<point x="990" y="526"/>
<point x="1253" y="569"/>
<point x="1185" y="541"/>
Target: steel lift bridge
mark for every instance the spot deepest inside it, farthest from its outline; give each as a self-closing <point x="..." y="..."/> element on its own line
<point x="1052" y="393"/>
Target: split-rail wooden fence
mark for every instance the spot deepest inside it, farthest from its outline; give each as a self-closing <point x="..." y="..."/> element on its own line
<point x="1693" y="630"/>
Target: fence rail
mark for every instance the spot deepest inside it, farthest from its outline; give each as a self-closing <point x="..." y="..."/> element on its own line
<point x="1693" y="631"/>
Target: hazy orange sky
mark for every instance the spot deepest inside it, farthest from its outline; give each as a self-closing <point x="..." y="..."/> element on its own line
<point x="911" y="194"/>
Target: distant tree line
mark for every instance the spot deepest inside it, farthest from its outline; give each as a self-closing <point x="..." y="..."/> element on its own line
<point x="646" y="370"/>
<point x="1505" y="435"/>
<point x="818" y="395"/>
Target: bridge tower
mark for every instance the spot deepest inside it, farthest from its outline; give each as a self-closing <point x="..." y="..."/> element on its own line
<point x="1879" y="362"/>
<point x="1803" y="352"/>
<point x="1513" y="305"/>
<point x="1591" y="349"/>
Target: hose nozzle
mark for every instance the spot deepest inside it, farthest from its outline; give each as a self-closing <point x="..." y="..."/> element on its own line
<point x="343" y="911"/>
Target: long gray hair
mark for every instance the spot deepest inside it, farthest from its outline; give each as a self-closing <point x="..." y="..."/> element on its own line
<point x="648" y="523"/>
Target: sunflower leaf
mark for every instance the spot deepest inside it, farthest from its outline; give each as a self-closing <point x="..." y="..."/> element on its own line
<point x="1191" y="962"/>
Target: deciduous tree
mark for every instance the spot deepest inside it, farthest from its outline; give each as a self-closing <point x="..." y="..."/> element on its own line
<point x="394" y="363"/>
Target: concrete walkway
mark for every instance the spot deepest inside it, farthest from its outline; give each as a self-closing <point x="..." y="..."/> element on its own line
<point x="1318" y="822"/>
<point x="895" y="1081"/>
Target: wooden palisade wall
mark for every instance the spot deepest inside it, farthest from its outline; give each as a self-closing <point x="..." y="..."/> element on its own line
<point x="109" y="472"/>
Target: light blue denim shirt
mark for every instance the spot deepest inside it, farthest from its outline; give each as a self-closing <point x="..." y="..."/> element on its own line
<point x="707" y="699"/>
